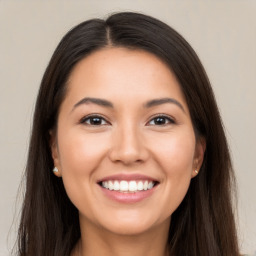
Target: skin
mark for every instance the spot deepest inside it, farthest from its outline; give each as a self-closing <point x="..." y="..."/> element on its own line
<point x="128" y="139"/>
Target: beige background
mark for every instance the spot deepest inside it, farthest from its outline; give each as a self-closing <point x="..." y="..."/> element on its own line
<point x="223" y="32"/>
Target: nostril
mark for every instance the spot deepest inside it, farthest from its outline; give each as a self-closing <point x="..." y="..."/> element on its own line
<point x="128" y="147"/>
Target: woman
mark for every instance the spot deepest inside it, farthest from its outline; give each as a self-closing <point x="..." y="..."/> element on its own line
<point x="127" y="155"/>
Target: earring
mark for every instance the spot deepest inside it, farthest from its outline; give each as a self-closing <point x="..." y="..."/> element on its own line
<point x="196" y="171"/>
<point x="55" y="170"/>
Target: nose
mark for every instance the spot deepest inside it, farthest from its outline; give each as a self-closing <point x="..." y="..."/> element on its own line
<point x="128" y="146"/>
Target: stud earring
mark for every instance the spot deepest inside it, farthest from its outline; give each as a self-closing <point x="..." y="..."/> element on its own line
<point x="196" y="171"/>
<point x="55" y="170"/>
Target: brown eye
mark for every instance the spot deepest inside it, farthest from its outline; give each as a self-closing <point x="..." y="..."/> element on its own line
<point x="161" y="120"/>
<point x="94" y="120"/>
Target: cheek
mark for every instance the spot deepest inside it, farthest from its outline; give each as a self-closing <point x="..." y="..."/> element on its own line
<point x="81" y="153"/>
<point x="176" y="153"/>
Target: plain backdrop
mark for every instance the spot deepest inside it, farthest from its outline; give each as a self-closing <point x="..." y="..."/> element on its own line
<point x="223" y="33"/>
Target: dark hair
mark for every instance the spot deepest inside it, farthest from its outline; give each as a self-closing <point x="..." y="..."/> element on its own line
<point x="204" y="222"/>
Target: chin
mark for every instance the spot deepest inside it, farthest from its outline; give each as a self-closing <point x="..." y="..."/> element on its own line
<point x="133" y="225"/>
<point x="128" y="230"/>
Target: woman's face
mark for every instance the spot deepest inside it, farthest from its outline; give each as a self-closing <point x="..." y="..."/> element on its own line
<point x="125" y="145"/>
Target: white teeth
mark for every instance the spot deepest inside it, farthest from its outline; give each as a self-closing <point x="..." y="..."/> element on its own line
<point x="116" y="185"/>
<point x="145" y="185"/>
<point x="124" y="185"/>
<point x="140" y="185"/>
<point x="150" y="185"/>
<point x="110" y="185"/>
<point x="105" y="184"/>
<point x="132" y="186"/>
<point x="128" y="186"/>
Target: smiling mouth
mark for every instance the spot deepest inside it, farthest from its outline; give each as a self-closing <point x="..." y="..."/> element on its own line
<point x="131" y="186"/>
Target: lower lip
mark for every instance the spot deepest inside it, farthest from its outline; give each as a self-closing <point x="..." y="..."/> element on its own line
<point x="130" y="197"/>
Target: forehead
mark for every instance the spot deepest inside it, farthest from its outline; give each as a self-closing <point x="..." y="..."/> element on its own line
<point x="125" y="74"/>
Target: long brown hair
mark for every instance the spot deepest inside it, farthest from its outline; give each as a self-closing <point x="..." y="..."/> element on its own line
<point x="204" y="222"/>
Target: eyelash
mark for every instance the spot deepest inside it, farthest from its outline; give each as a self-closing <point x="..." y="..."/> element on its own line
<point x="162" y="116"/>
<point x="90" y="117"/>
<point x="100" y="118"/>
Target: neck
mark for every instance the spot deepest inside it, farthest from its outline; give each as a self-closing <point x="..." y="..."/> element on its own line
<point x="97" y="241"/>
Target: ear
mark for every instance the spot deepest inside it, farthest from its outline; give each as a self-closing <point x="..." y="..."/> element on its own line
<point x="55" y="152"/>
<point x="199" y="155"/>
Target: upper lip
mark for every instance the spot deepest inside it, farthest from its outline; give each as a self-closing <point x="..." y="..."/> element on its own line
<point x="127" y="177"/>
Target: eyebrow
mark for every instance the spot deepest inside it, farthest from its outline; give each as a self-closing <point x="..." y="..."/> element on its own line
<point x="157" y="102"/>
<point x="97" y="101"/>
<point x="149" y="104"/>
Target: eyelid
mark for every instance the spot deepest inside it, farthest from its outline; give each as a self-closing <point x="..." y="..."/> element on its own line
<point x="169" y="118"/>
<point x="83" y="119"/>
